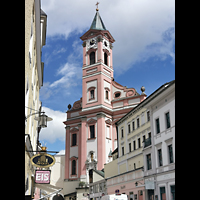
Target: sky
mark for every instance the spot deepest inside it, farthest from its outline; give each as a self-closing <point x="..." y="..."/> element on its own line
<point x="143" y="52"/>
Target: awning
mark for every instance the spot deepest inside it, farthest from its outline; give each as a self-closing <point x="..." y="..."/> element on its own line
<point x="51" y="189"/>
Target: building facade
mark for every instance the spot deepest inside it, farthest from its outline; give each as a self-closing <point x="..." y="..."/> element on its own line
<point x="57" y="173"/>
<point x="125" y="172"/>
<point x="159" y="151"/>
<point x="90" y="127"/>
<point x="35" y="37"/>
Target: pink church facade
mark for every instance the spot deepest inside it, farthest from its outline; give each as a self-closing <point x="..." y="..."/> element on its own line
<point x="90" y="127"/>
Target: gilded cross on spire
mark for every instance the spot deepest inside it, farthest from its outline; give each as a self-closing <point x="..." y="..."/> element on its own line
<point x="97" y="6"/>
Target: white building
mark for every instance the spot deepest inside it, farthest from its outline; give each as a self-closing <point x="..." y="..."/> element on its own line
<point x="159" y="150"/>
<point x="35" y="39"/>
<point x="57" y="173"/>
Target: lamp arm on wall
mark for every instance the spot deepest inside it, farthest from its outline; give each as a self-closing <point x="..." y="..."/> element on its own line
<point x="33" y="114"/>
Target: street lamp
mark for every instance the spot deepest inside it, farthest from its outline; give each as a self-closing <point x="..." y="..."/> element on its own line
<point x="42" y="120"/>
<point x="136" y="183"/>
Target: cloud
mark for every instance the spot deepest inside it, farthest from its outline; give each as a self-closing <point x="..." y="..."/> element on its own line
<point x="61" y="152"/>
<point x="55" y="129"/>
<point x="70" y="73"/>
<point x="45" y="91"/>
<point x="57" y="51"/>
<point x="139" y="27"/>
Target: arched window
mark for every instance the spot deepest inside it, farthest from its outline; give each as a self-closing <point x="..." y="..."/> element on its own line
<point x="105" y="58"/>
<point x="106" y="94"/>
<point x="73" y="167"/>
<point x="91" y="94"/>
<point x="92" y="58"/>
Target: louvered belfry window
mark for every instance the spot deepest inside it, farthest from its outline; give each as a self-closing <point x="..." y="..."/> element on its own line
<point x="92" y="58"/>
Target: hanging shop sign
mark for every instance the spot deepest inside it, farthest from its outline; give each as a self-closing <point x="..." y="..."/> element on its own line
<point x="42" y="176"/>
<point x="43" y="160"/>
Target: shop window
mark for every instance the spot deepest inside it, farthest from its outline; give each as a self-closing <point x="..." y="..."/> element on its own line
<point x="162" y="193"/>
<point x="130" y="195"/>
<point x="173" y="192"/>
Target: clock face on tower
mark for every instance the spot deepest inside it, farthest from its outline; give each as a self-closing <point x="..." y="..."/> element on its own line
<point x="92" y="42"/>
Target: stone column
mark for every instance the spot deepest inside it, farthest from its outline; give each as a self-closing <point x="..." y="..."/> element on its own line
<point x="101" y="147"/>
<point x="79" y="150"/>
<point x="83" y="150"/>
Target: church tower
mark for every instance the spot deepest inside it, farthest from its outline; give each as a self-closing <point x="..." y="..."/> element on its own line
<point x="97" y="65"/>
<point x="91" y="134"/>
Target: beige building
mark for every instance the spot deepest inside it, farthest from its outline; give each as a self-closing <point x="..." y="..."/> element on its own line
<point x="35" y="37"/>
<point x="125" y="172"/>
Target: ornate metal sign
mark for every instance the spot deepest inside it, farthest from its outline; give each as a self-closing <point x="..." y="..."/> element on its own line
<point x="43" y="160"/>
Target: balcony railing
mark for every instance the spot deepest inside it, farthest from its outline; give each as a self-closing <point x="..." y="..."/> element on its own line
<point x="147" y="142"/>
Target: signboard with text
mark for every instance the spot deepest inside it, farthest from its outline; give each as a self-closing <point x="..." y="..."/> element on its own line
<point x="42" y="176"/>
<point x="43" y="160"/>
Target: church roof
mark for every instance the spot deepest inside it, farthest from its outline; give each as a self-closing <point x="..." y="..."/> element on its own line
<point x="97" y="22"/>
